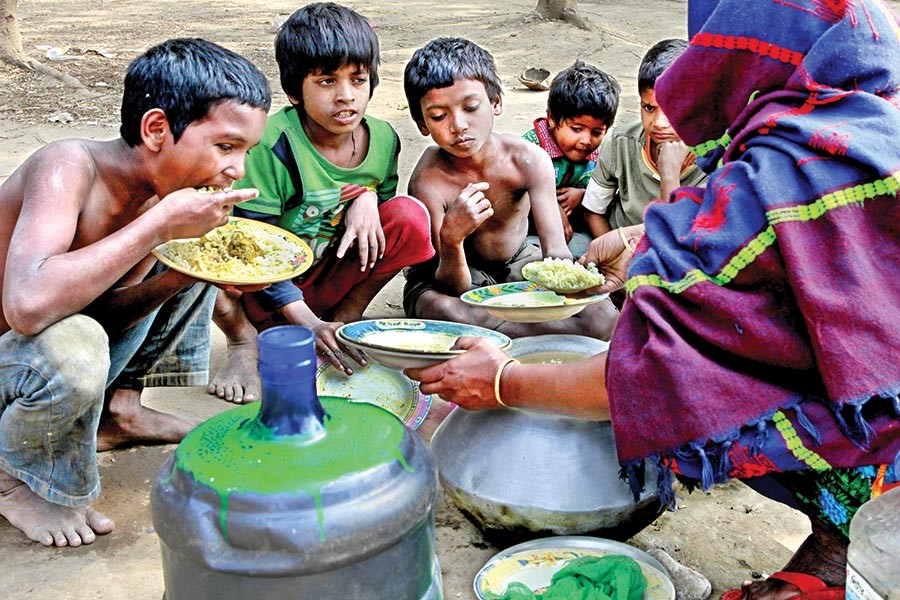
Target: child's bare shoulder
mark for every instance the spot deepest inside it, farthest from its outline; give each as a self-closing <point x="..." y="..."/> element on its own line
<point x="519" y="153"/>
<point x="70" y="164"/>
<point x="516" y="145"/>
<point x="427" y="167"/>
<point x="69" y="155"/>
<point x="429" y="158"/>
<point x="430" y="171"/>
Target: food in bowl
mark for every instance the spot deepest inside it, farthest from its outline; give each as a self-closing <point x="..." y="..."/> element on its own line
<point x="417" y="341"/>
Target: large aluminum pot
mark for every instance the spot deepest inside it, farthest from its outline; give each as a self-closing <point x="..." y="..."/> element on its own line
<point x="522" y="474"/>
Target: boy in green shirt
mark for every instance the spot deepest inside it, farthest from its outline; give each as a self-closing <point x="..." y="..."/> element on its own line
<point x="327" y="172"/>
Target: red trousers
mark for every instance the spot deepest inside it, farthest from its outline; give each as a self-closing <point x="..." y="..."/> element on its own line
<point x="407" y="234"/>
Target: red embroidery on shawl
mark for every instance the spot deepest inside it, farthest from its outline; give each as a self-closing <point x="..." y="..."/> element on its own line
<point x="803" y="109"/>
<point x="687" y="193"/>
<point x="868" y="19"/>
<point x="830" y="141"/>
<point x="714" y="219"/>
<point x="827" y="10"/>
<point x="814" y="99"/>
<point x="642" y="246"/>
<point x="717" y="40"/>
<point x="833" y="10"/>
<point x="745" y="464"/>
<point x="894" y="99"/>
<point x="812" y="85"/>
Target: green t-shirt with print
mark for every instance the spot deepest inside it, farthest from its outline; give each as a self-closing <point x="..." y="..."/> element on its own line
<point x="307" y="192"/>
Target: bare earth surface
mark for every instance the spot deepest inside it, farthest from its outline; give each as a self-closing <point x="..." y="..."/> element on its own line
<point x="730" y="535"/>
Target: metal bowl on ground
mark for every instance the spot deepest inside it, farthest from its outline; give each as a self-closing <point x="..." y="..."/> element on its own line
<point x="522" y="474"/>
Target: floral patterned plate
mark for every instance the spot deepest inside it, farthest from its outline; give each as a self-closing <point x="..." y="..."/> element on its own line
<point x="526" y="302"/>
<point x="535" y="562"/>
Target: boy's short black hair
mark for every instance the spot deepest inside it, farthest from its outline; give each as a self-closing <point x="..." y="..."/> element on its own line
<point x="657" y="59"/>
<point x="443" y="60"/>
<point x="583" y="89"/>
<point x="320" y="38"/>
<point x="186" y="77"/>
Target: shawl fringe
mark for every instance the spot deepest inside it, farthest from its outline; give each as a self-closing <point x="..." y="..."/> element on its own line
<point x="714" y="457"/>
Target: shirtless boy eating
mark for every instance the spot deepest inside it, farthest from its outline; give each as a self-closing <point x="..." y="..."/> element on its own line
<point x="87" y="314"/>
<point x="479" y="187"/>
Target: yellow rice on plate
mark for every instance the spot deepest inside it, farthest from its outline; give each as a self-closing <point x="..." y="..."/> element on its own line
<point x="242" y="251"/>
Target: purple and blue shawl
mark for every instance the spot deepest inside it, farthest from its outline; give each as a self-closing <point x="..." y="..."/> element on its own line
<point x="762" y="329"/>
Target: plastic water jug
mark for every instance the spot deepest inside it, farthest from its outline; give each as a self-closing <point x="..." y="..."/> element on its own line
<point x="873" y="558"/>
<point x="298" y="496"/>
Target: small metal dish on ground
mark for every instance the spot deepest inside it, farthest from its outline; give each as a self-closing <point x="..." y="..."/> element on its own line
<point x="535" y="78"/>
<point x="534" y="563"/>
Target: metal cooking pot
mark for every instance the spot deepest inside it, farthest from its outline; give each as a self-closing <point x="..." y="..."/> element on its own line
<point x="521" y="473"/>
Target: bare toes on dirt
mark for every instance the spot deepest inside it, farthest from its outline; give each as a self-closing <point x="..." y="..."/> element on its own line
<point x="238" y="379"/>
<point x="51" y="524"/>
<point x="142" y="427"/>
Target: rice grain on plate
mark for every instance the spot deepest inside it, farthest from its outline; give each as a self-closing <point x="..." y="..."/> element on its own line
<point x="562" y="275"/>
<point x="237" y="251"/>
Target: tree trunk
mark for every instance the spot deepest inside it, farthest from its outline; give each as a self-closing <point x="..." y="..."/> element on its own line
<point x="10" y="38"/>
<point x="12" y="52"/>
<point x="561" y="10"/>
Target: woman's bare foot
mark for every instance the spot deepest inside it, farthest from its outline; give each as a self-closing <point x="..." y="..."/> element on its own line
<point x="126" y="422"/>
<point x="823" y="555"/>
<point x="47" y="523"/>
<point x="238" y="379"/>
<point x="768" y="589"/>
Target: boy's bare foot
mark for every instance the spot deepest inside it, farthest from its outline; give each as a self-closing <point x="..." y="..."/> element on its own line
<point x="47" y="523"/>
<point x="126" y="422"/>
<point x="238" y="379"/>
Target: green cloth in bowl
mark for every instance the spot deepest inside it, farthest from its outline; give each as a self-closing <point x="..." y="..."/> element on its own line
<point x="613" y="577"/>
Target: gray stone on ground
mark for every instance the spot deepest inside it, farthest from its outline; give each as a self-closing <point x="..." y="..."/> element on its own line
<point x="689" y="584"/>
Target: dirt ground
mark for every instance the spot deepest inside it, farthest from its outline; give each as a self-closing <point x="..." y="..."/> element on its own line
<point x="730" y="535"/>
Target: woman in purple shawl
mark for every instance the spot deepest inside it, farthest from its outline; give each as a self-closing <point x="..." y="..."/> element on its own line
<point x="761" y="335"/>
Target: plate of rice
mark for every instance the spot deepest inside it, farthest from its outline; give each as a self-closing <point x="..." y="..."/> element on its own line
<point x="241" y="252"/>
<point x="562" y="275"/>
<point x="406" y="343"/>
<point x="526" y="302"/>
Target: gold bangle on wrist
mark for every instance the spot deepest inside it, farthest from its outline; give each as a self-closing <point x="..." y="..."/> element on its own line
<point x="624" y="239"/>
<point x="497" y="377"/>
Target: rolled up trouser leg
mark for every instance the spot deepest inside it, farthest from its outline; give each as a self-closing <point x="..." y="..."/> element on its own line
<point x="51" y="397"/>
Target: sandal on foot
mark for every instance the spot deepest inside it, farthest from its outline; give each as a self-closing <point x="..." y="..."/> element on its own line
<point x="810" y="586"/>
